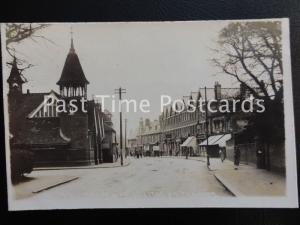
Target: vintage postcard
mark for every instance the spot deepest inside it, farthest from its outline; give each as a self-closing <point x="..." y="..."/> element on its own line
<point x="149" y="114"/>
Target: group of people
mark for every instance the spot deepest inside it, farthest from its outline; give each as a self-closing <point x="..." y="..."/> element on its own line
<point x="136" y="154"/>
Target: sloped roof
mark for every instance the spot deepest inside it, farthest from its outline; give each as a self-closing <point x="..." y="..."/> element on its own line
<point x="72" y="73"/>
<point x="40" y="131"/>
<point x="15" y="75"/>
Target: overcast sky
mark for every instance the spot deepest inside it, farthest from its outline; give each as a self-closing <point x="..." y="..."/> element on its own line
<point x="148" y="59"/>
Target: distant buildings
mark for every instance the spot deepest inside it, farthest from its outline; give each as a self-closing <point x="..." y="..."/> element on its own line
<point x="132" y="145"/>
<point x="175" y="128"/>
<point x="83" y="137"/>
<point x="199" y="133"/>
<point x="149" y="137"/>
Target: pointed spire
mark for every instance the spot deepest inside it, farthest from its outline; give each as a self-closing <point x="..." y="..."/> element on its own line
<point x="15" y="75"/>
<point x="72" y="74"/>
<point x="72" y="49"/>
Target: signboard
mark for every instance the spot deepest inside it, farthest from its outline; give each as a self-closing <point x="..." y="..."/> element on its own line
<point x="155" y="148"/>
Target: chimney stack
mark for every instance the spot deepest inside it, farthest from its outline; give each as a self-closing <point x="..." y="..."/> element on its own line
<point x="217" y="91"/>
<point x="242" y="91"/>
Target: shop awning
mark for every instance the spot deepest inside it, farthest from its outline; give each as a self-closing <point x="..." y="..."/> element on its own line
<point x="190" y="142"/>
<point x="217" y="140"/>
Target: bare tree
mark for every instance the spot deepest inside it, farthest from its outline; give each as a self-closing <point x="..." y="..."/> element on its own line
<point x="17" y="32"/>
<point x="251" y="52"/>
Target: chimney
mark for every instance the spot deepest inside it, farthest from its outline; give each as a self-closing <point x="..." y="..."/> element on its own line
<point x="242" y="90"/>
<point x="217" y="90"/>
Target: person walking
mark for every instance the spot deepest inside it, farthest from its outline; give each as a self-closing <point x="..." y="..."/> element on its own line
<point x="237" y="156"/>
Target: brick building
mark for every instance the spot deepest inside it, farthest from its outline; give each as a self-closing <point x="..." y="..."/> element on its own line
<point x="180" y="129"/>
<point x="195" y="133"/>
<point x="59" y="138"/>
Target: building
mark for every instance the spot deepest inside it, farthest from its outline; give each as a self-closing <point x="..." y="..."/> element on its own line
<point x="58" y="137"/>
<point x="109" y="143"/>
<point x="181" y="129"/>
<point x="132" y="145"/>
<point x="149" y="137"/>
<point x="182" y="132"/>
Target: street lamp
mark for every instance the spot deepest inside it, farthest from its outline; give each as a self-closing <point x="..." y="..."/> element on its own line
<point x="121" y="91"/>
<point x="198" y="128"/>
<point x="206" y="128"/>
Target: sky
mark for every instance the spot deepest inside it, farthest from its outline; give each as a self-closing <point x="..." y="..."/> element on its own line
<point x="148" y="59"/>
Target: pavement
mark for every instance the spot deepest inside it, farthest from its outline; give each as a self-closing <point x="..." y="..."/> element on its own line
<point x="126" y="162"/>
<point x="247" y="180"/>
<point x="37" y="182"/>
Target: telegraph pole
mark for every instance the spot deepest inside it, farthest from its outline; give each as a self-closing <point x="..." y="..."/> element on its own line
<point x="125" y="138"/>
<point x="120" y="91"/>
<point x="206" y="130"/>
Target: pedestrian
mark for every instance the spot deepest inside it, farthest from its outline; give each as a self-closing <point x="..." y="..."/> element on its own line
<point x="260" y="157"/>
<point x="237" y="155"/>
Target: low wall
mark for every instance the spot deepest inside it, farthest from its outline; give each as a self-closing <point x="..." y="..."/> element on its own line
<point x="62" y="157"/>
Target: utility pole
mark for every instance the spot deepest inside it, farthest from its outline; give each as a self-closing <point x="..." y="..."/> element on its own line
<point x="125" y="138"/>
<point x="206" y="130"/>
<point x="120" y="91"/>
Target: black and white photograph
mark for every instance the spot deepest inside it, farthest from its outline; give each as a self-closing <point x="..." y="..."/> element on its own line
<point x="149" y="114"/>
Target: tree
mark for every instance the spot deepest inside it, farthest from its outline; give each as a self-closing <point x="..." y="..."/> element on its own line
<point x="251" y="52"/>
<point x="18" y="32"/>
<point x="21" y="159"/>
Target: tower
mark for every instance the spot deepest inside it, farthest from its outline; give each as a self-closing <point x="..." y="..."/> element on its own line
<point x="72" y="82"/>
<point x="15" y="81"/>
<point x="73" y="85"/>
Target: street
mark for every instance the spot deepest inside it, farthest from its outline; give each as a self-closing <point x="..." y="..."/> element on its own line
<point x="144" y="178"/>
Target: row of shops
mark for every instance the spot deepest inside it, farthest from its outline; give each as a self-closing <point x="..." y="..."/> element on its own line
<point x="216" y="133"/>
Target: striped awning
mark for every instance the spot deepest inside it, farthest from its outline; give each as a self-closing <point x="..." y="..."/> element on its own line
<point x="217" y="140"/>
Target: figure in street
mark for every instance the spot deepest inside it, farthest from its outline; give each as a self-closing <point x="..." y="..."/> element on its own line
<point x="237" y="155"/>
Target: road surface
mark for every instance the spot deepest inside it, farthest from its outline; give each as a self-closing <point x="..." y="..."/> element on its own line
<point x="145" y="181"/>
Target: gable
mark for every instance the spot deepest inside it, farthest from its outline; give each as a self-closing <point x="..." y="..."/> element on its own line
<point x="47" y="108"/>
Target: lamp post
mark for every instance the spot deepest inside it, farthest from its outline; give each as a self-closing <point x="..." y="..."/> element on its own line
<point x="125" y="138"/>
<point x="206" y="129"/>
<point x="198" y="128"/>
<point x="121" y="91"/>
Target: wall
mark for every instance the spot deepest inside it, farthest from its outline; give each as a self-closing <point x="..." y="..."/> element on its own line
<point x="277" y="157"/>
<point x="76" y="128"/>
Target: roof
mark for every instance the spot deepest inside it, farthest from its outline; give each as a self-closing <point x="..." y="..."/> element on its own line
<point x="30" y="101"/>
<point x="40" y="131"/>
<point x="72" y="73"/>
<point x="15" y="75"/>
